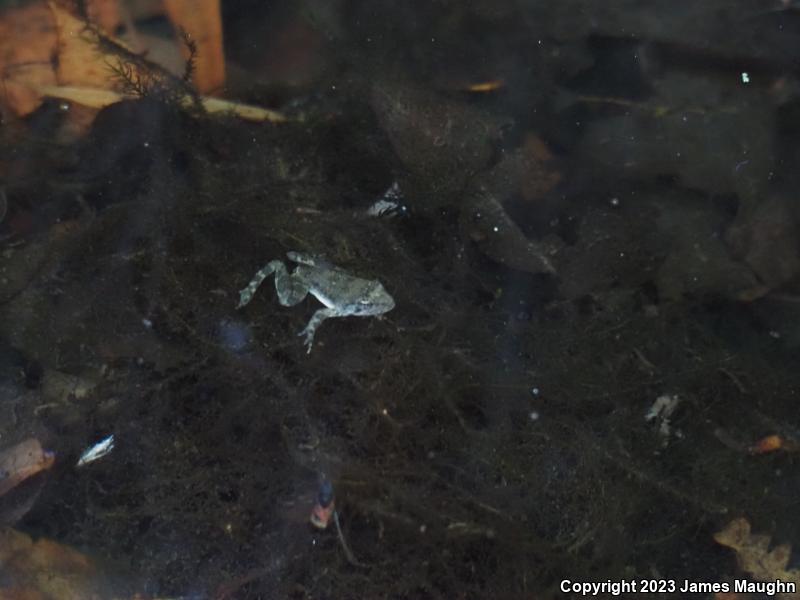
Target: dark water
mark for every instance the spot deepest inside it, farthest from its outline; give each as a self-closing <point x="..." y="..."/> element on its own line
<point x="584" y="220"/>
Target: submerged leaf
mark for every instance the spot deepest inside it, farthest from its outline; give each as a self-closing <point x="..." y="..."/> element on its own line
<point x="22" y="461"/>
<point x="755" y="557"/>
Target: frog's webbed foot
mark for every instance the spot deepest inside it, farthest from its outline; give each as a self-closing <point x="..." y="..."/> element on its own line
<point x="309" y="341"/>
<point x="311" y="328"/>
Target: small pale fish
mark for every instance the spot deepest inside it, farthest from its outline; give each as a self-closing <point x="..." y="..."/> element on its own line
<point x="99" y="450"/>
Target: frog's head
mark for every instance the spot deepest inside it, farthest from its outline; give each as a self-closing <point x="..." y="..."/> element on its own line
<point x="375" y="301"/>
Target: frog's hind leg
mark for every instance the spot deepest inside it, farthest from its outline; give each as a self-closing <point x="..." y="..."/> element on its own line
<point x="246" y="294"/>
<point x="291" y="289"/>
<point x="316" y="320"/>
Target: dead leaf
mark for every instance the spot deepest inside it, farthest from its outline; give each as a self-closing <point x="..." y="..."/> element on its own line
<point x="483" y="87"/>
<point x="773" y="442"/>
<point x="81" y="61"/>
<point x="44" y="569"/>
<point x="22" y="461"/>
<point x="767" y="444"/>
<point x="27" y="42"/>
<point x="92" y="97"/>
<point x="294" y="54"/>
<point x="141" y="10"/>
<point x="31" y="37"/>
<point x="755" y="557"/>
<point x="766" y="238"/>
<point x="484" y="220"/>
<point x="530" y="170"/>
<point x="202" y="21"/>
<point x="43" y="44"/>
<point x="442" y="141"/>
<point x="106" y="14"/>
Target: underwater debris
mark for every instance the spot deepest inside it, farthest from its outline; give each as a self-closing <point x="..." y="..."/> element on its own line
<point x="44" y="568"/>
<point x="772" y="443"/>
<point x="661" y="411"/>
<point x="390" y="203"/>
<point x="97" y="451"/>
<point x="755" y="557"/>
<point x="483" y="87"/>
<point x="22" y="461"/>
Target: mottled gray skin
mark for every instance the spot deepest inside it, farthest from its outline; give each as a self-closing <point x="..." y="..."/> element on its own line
<point x="343" y="294"/>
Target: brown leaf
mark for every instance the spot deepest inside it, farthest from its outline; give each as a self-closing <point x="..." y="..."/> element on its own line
<point x="27" y="43"/>
<point x="107" y="14"/>
<point x="767" y="444"/>
<point x="21" y="462"/>
<point x="202" y="21"/>
<point x="766" y="238"/>
<point x="485" y="221"/>
<point x="42" y="45"/>
<point x="45" y="569"/>
<point x="754" y="556"/>
<point x="529" y="171"/>
<point x="774" y="442"/>
<point x="80" y="59"/>
<point x="442" y="141"/>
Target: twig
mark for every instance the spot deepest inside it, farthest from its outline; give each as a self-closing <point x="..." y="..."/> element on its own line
<point x="643" y="359"/>
<point x="347" y="552"/>
<point x="736" y="381"/>
<point x="190" y="66"/>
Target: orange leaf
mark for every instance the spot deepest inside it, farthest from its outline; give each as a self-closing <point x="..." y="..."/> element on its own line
<point x="106" y="14"/>
<point x="80" y="60"/>
<point x="485" y="86"/>
<point x="771" y="443"/>
<point x="27" y="42"/>
<point x="202" y="20"/>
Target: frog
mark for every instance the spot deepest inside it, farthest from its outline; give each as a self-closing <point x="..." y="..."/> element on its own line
<point x="342" y="293"/>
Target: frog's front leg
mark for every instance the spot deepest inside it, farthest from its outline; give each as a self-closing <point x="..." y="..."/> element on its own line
<point x="291" y="288"/>
<point x="317" y="318"/>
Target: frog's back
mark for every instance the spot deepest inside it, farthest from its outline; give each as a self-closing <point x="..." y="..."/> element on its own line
<point x="334" y="287"/>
